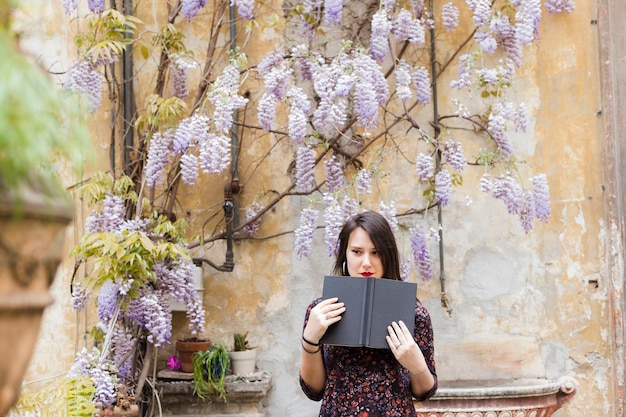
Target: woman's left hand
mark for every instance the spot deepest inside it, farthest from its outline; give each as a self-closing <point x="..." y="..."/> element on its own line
<point x="404" y="348"/>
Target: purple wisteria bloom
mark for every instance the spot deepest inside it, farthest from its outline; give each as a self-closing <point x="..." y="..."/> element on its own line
<point x="83" y="79"/>
<point x="79" y="298"/>
<point x="190" y="8"/>
<point x="215" y="153"/>
<point x="443" y="187"/>
<point x="520" y="118"/>
<point x="252" y="228"/>
<point x="267" y="111"/>
<point x="333" y="11"/>
<point x="453" y="155"/>
<point x="403" y="80"/>
<point x="450" y="16"/>
<point x="406" y="28"/>
<point x="363" y="181"/>
<point x="541" y="195"/>
<point x="389" y="212"/>
<point x="421" y="83"/>
<point x="425" y="167"/>
<point x="507" y="189"/>
<point x="379" y="39"/>
<point x="558" y="6"/>
<point x="245" y="8"/>
<point x="305" y="162"/>
<point x="333" y="221"/>
<point x="95" y="6"/>
<point x="298" y="116"/>
<point x="158" y="156"/>
<point x="527" y="211"/>
<point x="496" y="126"/>
<point x="189" y="168"/>
<point x="305" y="232"/>
<point x="334" y="174"/>
<point x="421" y="256"/>
<point x="225" y="98"/>
<point x="69" y="6"/>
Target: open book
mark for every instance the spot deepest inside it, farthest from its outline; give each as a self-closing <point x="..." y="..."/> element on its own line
<point x="371" y="305"/>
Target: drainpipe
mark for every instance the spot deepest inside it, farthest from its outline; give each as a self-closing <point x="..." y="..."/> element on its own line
<point x="231" y="190"/>
<point x="128" y="97"/>
<point x="229" y="263"/>
<point x="234" y="140"/>
<point x="433" y="65"/>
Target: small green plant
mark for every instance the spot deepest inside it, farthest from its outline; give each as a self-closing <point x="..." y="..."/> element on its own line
<point x="240" y="342"/>
<point x="209" y="371"/>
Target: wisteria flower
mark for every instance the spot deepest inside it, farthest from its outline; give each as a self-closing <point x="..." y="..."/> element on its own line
<point x="379" y="40"/>
<point x="306" y="232"/>
<point x="450" y="16"/>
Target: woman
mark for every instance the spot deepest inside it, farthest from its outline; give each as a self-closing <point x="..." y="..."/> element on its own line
<point x="360" y="381"/>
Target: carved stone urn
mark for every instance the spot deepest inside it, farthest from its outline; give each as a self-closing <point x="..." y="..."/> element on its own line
<point x="517" y="398"/>
<point x="32" y="232"/>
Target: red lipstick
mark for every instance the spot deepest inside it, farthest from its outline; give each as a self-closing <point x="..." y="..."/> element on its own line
<point x="367" y="274"/>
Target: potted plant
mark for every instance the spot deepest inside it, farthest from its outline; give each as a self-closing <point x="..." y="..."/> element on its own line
<point x="209" y="371"/>
<point x="187" y="348"/>
<point x="37" y="129"/>
<point x="243" y="356"/>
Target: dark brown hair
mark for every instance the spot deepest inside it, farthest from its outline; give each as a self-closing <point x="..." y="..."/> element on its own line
<point x="382" y="237"/>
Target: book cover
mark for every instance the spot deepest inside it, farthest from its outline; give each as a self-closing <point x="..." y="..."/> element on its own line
<point x="371" y="305"/>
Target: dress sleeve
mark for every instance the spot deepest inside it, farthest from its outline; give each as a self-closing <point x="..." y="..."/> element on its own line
<point x="312" y="395"/>
<point x="425" y="340"/>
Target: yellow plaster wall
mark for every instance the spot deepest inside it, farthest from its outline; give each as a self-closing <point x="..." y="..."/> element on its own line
<point x="508" y="291"/>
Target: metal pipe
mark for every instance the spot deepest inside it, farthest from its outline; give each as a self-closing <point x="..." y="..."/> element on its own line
<point x="234" y="140"/>
<point x="128" y="94"/>
<point x="433" y="67"/>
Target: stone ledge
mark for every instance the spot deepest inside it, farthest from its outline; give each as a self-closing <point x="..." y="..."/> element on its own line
<point x="243" y="396"/>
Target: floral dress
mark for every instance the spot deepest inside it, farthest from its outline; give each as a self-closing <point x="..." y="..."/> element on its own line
<point x="364" y="382"/>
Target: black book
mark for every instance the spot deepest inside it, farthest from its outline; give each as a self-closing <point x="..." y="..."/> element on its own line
<point x="371" y="305"/>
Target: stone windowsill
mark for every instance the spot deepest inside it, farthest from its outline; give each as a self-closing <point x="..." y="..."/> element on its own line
<point x="243" y="395"/>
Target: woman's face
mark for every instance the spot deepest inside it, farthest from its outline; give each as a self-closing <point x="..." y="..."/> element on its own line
<point x="362" y="258"/>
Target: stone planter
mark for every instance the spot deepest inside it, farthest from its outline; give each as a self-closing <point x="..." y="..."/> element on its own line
<point x="522" y="398"/>
<point x="244" y="396"/>
<point x="31" y="248"/>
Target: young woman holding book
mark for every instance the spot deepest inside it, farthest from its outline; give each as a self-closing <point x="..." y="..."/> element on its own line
<point x="359" y="381"/>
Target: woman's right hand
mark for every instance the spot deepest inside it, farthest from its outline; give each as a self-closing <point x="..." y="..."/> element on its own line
<point x="322" y="316"/>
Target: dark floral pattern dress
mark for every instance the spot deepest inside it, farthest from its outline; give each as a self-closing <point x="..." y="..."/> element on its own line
<point x="364" y="382"/>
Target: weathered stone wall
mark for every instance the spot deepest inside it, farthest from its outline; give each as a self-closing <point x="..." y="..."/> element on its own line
<point x="537" y="305"/>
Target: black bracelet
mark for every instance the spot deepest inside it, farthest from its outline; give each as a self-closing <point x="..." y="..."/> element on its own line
<point x="311" y="352"/>
<point x="310" y="343"/>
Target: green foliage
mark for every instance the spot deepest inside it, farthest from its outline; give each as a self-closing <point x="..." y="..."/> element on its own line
<point x="66" y="397"/>
<point x="161" y="112"/>
<point x="132" y="253"/>
<point x="38" y="124"/>
<point x="209" y="371"/>
<point x="240" y="342"/>
<point x="107" y="35"/>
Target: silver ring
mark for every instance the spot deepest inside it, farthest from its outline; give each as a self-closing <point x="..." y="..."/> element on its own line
<point x="327" y="316"/>
<point x="398" y="345"/>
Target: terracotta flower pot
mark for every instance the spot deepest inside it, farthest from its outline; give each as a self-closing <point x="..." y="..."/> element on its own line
<point x="186" y="348"/>
<point x="31" y="247"/>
